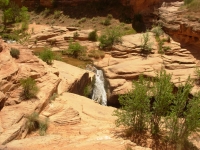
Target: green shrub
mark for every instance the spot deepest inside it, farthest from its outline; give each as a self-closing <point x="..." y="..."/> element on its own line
<point x="187" y="1"/>
<point x="14" y="53"/>
<point x="157" y="107"/>
<point x="194" y="5"/>
<point x="46" y="12"/>
<point x="75" y="49"/>
<point x="43" y="125"/>
<point x="30" y="88"/>
<point x="110" y="37"/>
<point x="93" y="36"/>
<point x="82" y="20"/>
<point x="47" y="55"/>
<point x="145" y="45"/>
<point x="34" y="122"/>
<point x="135" y="110"/>
<point x="57" y="14"/>
<point x="157" y="31"/>
<point x="76" y="34"/>
<point x="106" y="22"/>
<point x="110" y="16"/>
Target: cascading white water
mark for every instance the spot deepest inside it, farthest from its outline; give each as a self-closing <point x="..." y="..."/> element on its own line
<point x="99" y="93"/>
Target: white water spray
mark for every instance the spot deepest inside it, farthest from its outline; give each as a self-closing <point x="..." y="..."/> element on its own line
<point x="99" y="93"/>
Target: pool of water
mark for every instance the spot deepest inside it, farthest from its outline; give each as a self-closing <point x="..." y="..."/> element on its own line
<point x="65" y="58"/>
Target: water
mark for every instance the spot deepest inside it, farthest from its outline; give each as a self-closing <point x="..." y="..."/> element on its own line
<point x="99" y="93"/>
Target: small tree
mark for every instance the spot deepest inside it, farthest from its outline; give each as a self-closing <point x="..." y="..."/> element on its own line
<point x="30" y="88"/>
<point x="75" y="49"/>
<point x="162" y="94"/>
<point x="14" y="53"/>
<point x="93" y="36"/>
<point x="47" y="55"/>
<point x="135" y="110"/>
<point x="146" y="45"/>
<point x="110" y="37"/>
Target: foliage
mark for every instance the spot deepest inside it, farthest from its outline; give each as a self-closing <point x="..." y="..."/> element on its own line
<point x="76" y="34"/>
<point x="135" y="110"/>
<point x="93" y="36"/>
<point x="47" y="55"/>
<point x="57" y="14"/>
<point x="194" y="5"/>
<point x="157" y="31"/>
<point x="162" y="92"/>
<point x="156" y="106"/>
<point x="75" y="49"/>
<point x="46" y="12"/>
<point x="82" y="20"/>
<point x="145" y="44"/>
<point x="197" y="72"/>
<point x="43" y="125"/>
<point x="87" y="91"/>
<point x="187" y="1"/>
<point x="110" y="37"/>
<point x="34" y="122"/>
<point x="30" y="88"/>
<point x="106" y="22"/>
<point x="14" y="53"/>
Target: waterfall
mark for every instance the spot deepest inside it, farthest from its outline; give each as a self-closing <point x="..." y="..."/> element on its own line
<point x="99" y="93"/>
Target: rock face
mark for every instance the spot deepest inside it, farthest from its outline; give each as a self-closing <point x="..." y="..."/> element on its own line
<point x="126" y="63"/>
<point x="181" y="25"/>
<point x="49" y="80"/>
<point x="95" y="128"/>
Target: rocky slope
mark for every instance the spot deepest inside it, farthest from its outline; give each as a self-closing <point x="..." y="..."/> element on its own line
<point x="126" y="63"/>
<point x="49" y="79"/>
<point x="182" y="25"/>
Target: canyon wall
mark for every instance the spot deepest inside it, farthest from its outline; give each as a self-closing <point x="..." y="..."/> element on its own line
<point x="138" y="6"/>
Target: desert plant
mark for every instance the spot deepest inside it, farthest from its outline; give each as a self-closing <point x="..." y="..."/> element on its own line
<point x="162" y="92"/>
<point x="145" y="44"/>
<point x="110" y="16"/>
<point x="46" y="12"/>
<point x="14" y="53"/>
<point x="93" y="36"/>
<point x="47" y="55"/>
<point x="57" y="14"/>
<point x="157" y="30"/>
<point x="74" y="49"/>
<point x="82" y="20"/>
<point x="106" y="22"/>
<point x="43" y="125"/>
<point x="187" y="1"/>
<point x="110" y="37"/>
<point x="76" y="34"/>
<point x="135" y="110"/>
<point x="34" y="122"/>
<point x="194" y="5"/>
<point x="30" y="88"/>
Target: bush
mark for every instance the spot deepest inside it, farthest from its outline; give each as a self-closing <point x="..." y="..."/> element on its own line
<point x="194" y="5"/>
<point x="75" y="49"/>
<point x="187" y="1"/>
<point x="47" y="55"/>
<point x="109" y="38"/>
<point x="135" y="110"/>
<point x="14" y="53"/>
<point x="157" y="107"/>
<point x="34" y="122"/>
<point x="93" y="36"/>
<point x="57" y="14"/>
<point x="82" y="20"/>
<point x="145" y="46"/>
<point x="106" y="22"/>
<point x="30" y="88"/>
